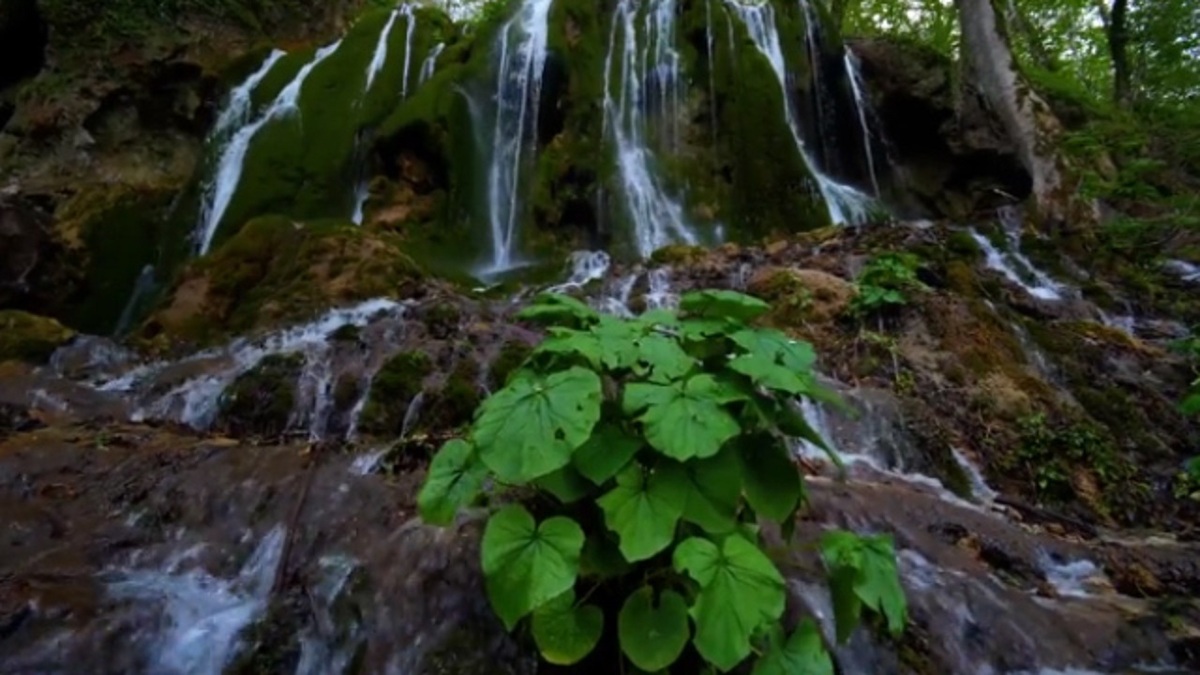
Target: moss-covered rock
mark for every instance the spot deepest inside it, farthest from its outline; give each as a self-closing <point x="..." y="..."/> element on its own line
<point x="395" y="386"/>
<point x="260" y="402"/>
<point x="276" y="270"/>
<point x="508" y="359"/>
<point x="454" y="404"/>
<point x="28" y="337"/>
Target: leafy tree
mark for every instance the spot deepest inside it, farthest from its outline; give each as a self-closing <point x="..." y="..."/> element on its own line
<point x="645" y="452"/>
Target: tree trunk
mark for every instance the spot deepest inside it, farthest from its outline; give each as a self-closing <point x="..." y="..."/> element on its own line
<point x="1030" y="123"/>
<point x="1117" y="28"/>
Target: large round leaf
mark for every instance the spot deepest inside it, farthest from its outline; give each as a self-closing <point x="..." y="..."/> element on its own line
<point x="644" y="508"/>
<point x="862" y="571"/>
<point x="526" y="565"/>
<point x="740" y="592"/>
<point x="564" y="632"/>
<point x="662" y="358"/>
<point x="653" y="637"/>
<point x="685" y="419"/>
<point x="772" y="481"/>
<point x="714" y="489"/>
<point x="803" y="653"/>
<point x="795" y="355"/>
<point x="530" y="428"/>
<point x="605" y="453"/>
<point x="723" y="305"/>
<point x="455" y="476"/>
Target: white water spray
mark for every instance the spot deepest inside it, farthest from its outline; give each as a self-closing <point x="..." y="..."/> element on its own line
<point x="1013" y="264"/>
<point x="410" y="19"/>
<point x="237" y="111"/>
<point x="658" y="219"/>
<point x="429" y="66"/>
<point x="233" y="156"/>
<point x="381" y="50"/>
<point x="845" y="204"/>
<point x="522" y="61"/>
<point x="854" y="74"/>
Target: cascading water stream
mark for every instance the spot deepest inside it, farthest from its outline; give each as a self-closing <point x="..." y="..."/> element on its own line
<point x="632" y="67"/>
<point x="845" y="204"/>
<point x="1013" y="264"/>
<point x="410" y="27"/>
<point x="362" y="190"/>
<point x="381" y="50"/>
<point x="858" y="88"/>
<point x="237" y="111"/>
<point x="233" y="156"/>
<point x="429" y="66"/>
<point x="522" y="59"/>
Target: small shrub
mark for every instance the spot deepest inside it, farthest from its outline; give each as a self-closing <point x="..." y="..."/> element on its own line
<point x="646" y="451"/>
<point x="885" y="283"/>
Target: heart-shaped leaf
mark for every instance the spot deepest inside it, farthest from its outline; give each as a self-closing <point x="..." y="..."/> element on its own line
<point x="653" y="637"/>
<point x="526" y="565"/>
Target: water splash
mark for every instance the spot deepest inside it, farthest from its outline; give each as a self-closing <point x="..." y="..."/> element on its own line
<point x="859" y="89"/>
<point x="1184" y="270"/>
<point x="410" y="27"/>
<point x="522" y="60"/>
<point x="236" y="112"/>
<point x="142" y="288"/>
<point x="648" y="79"/>
<point x="204" y="614"/>
<point x="980" y="489"/>
<point x="194" y="400"/>
<point x="1071" y="579"/>
<point x="586" y="267"/>
<point x="845" y="204"/>
<point x="412" y="414"/>
<point x="429" y="66"/>
<point x="379" y="58"/>
<point x="233" y="156"/>
<point x="1013" y="264"/>
<point x="660" y="295"/>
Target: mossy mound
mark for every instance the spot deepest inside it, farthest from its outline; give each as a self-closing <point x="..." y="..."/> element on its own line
<point x="29" y="337"/>
<point x="115" y="233"/>
<point x="395" y="386"/>
<point x="260" y="402"/>
<point x="277" y="270"/>
<point x="304" y="162"/>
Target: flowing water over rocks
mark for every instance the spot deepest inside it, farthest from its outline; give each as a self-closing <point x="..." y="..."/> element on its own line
<point x="144" y="548"/>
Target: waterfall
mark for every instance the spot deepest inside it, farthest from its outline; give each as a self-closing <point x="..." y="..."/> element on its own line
<point x="1013" y="264"/>
<point x="229" y="167"/>
<point x="430" y="64"/>
<point x="845" y="204"/>
<point x="381" y="50"/>
<point x="854" y="74"/>
<point x="522" y="59"/>
<point x="237" y="111"/>
<point x="410" y="19"/>
<point x="657" y="218"/>
<point x="141" y="288"/>
<point x="710" y="44"/>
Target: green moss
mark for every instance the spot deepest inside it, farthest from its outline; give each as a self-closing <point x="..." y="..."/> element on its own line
<point x="119" y="233"/>
<point x="28" y="337"/>
<point x="511" y="356"/>
<point x="678" y="254"/>
<point x="454" y="405"/>
<point x="277" y="270"/>
<point x="260" y="402"/>
<point x="770" y="189"/>
<point x="392" y="390"/>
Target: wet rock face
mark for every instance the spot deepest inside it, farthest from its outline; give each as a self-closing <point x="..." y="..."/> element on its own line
<point x="950" y="162"/>
<point x="221" y="540"/>
<point x="22" y="42"/>
<point x="260" y="402"/>
<point x="32" y="264"/>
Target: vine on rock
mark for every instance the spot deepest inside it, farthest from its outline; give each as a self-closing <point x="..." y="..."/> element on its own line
<point x="650" y="448"/>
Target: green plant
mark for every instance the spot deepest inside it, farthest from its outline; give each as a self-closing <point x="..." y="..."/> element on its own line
<point x="1190" y="348"/>
<point x="649" y="449"/>
<point x="1187" y="482"/>
<point x="885" y="282"/>
<point x="1049" y="453"/>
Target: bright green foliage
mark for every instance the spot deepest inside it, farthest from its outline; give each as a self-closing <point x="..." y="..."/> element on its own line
<point x="665" y="436"/>
<point x="455" y="476"/>
<point x="741" y="593"/>
<point x="652" y="636"/>
<point x="803" y="652"/>
<point x="527" y="565"/>
<point x="531" y="427"/>
<point x="644" y="508"/>
<point x="863" y="573"/>
<point x="566" y="632"/>
<point x="885" y="283"/>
